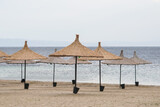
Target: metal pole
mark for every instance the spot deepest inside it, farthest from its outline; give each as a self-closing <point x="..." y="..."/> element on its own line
<point x="120" y="76"/>
<point x="24" y="71"/>
<point x="53" y="72"/>
<point x="99" y="72"/>
<point x="135" y="73"/>
<point x="75" y="71"/>
<point x="21" y="73"/>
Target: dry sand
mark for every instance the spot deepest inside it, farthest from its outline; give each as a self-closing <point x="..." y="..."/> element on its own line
<point x="42" y="94"/>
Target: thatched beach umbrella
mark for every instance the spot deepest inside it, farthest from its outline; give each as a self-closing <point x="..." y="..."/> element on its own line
<point x="53" y="61"/>
<point x="21" y="63"/>
<point x="25" y="54"/>
<point x="76" y="49"/>
<point x="139" y="61"/>
<point x="123" y="61"/>
<point x="3" y="54"/>
<point x="106" y="56"/>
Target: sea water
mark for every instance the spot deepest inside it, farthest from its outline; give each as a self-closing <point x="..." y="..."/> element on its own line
<point x="148" y="74"/>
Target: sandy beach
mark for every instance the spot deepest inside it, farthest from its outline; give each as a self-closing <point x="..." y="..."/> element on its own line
<point x="42" y="94"/>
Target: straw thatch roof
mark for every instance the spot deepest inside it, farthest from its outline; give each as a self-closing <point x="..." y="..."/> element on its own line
<point x="20" y="62"/>
<point x="123" y="61"/>
<point x="2" y="60"/>
<point x="25" y="54"/>
<point x="106" y="55"/>
<point x="72" y="61"/>
<point x="75" y="49"/>
<point x="138" y="60"/>
<point x="3" y="54"/>
<point x="53" y="60"/>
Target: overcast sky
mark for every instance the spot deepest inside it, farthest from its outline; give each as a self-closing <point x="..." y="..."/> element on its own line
<point x="94" y="20"/>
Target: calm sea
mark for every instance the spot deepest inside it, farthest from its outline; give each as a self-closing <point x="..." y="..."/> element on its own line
<point x="146" y="74"/>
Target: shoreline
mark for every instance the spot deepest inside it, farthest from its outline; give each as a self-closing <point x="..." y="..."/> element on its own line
<point x="84" y="82"/>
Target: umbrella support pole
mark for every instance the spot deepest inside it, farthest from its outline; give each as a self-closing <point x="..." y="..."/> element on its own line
<point x="101" y="88"/>
<point x="121" y="85"/>
<point x="136" y="82"/>
<point x="22" y="75"/>
<point x="75" y="89"/>
<point x="54" y="83"/>
<point x="22" y="80"/>
<point x="26" y="85"/>
<point x="120" y="76"/>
